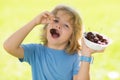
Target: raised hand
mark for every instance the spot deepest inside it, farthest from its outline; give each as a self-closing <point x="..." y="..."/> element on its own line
<point x="44" y="18"/>
<point x="88" y="51"/>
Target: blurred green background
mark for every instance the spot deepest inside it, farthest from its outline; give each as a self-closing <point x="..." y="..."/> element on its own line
<point x="102" y="16"/>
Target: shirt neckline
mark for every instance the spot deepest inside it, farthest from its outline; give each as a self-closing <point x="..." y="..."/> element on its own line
<point x="52" y="49"/>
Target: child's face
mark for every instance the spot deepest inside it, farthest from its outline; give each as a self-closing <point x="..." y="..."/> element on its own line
<point x="59" y="31"/>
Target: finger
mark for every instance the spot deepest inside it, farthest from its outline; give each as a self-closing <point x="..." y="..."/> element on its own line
<point x="49" y="16"/>
<point x="101" y="51"/>
<point x="46" y="14"/>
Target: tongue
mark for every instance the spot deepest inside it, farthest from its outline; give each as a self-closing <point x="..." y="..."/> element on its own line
<point x="55" y="36"/>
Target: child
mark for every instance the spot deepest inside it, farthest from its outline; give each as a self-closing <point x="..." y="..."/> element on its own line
<point x="57" y="58"/>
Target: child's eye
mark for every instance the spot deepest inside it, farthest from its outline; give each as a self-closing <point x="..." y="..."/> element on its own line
<point x="66" y="25"/>
<point x="56" y="21"/>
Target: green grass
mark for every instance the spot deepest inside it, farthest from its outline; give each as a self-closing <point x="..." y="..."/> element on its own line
<point x="98" y="15"/>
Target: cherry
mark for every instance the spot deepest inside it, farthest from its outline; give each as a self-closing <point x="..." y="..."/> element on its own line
<point x="96" y="38"/>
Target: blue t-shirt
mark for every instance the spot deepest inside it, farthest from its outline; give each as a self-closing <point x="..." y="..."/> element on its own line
<point x="50" y="64"/>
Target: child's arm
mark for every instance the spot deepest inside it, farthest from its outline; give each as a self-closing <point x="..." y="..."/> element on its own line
<point x="12" y="44"/>
<point x="83" y="73"/>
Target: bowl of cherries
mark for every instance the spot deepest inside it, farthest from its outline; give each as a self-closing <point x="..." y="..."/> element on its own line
<point x="96" y="41"/>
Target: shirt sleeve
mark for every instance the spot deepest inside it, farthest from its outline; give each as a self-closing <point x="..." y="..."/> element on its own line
<point x="76" y="65"/>
<point x="29" y="51"/>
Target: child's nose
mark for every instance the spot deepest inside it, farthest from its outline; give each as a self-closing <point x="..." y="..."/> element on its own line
<point x="58" y="25"/>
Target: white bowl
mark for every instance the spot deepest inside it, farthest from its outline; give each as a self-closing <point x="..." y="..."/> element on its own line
<point x="93" y="45"/>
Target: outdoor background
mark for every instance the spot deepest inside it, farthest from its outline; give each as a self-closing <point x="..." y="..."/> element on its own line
<point x="102" y="16"/>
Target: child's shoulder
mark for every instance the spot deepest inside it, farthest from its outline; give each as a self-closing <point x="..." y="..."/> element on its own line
<point x="32" y="45"/>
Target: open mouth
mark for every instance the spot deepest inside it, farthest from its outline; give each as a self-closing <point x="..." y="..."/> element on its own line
<point x="54" y="33"/>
